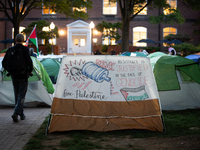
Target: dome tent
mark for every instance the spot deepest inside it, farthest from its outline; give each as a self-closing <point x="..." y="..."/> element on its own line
<point x="52" y="67"/>
<point x="178" y="82"/>
<point x="39" y="90"/>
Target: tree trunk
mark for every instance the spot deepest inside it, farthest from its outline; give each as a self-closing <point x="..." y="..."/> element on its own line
<point x="16" y="30"/>
<point x="125" y="35"/>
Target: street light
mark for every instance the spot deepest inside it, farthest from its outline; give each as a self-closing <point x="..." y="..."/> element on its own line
<point x="92" y="27"/>
<point x="52" y="26"/>
<point x="95" y="41"/>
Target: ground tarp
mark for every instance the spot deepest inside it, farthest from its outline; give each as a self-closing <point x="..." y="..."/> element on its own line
<point x="105" y="93"/>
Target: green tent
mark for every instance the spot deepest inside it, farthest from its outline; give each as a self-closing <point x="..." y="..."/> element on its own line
<point x="52" y="67"/>
<point x="156" y="54"/>
<point x="165" y="71"/>
<point x="178" y="82"/>
<point x="40" y="87"/>
<point x="154" y="57"/>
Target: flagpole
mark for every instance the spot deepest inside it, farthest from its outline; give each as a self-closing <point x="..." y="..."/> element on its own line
<point x="33" y="38"/>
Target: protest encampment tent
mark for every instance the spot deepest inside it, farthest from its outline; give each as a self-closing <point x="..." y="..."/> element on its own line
<point x="105" y="93"/>
<point x="52" y="67"/>
<point x="194" y="57"/>
<point x="40" y="87"/>
<point x="178" y="82"/>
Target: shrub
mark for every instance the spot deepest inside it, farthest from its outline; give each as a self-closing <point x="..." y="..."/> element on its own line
<point x="104" y="48"/>
<point x="186" y="48"/>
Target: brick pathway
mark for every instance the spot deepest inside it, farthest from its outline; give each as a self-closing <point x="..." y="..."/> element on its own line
<point x="14" y="135"/>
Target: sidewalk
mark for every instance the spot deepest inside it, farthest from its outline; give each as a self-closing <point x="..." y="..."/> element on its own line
<point x="15" y="135"/>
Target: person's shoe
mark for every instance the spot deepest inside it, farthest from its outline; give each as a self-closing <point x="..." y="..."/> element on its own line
<point x="15" y="117"/>
<point x="22" y="117"/>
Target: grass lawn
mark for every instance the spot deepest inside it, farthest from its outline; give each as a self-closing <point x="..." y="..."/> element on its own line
<point x="177" y="123"/>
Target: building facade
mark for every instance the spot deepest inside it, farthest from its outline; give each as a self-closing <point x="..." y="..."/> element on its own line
<point x="77" y="36"/>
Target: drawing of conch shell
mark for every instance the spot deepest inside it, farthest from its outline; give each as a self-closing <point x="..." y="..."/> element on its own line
<point x="95" y="72"/>
<point x="134" y="93"/>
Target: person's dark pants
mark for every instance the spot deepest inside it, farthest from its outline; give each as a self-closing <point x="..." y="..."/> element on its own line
<point x="20" y="89"/>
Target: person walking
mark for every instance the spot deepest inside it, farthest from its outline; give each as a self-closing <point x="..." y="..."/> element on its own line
<point x="19" y="78"/>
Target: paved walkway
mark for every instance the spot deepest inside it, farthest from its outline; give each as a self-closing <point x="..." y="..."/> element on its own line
<point x="15" y="135"/>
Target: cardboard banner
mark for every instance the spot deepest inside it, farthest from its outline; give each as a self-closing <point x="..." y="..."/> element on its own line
<point x="104" y="93"/>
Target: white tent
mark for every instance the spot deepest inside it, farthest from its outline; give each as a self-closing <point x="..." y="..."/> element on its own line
<point x="105" y="93"/>
<point x="40" y="88"/>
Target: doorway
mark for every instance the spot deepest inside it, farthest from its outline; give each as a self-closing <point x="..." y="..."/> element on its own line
<point x="79" y="43"/>
<point x="79" y="37"/>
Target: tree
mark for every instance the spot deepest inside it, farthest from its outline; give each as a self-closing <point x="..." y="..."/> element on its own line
<point x="128" y="13"/>
<point x="111" y="29"/>
<point x="17" y="14"/>
<point x="40" y="33"/>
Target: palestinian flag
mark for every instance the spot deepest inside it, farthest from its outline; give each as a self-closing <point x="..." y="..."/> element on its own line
<point x="33" y="38"/>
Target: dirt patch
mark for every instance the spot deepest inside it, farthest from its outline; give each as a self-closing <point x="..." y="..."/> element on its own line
<point x="128" y="143"/>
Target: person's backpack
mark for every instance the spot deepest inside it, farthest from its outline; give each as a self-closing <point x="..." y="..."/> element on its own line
<point x="16" y="64"/>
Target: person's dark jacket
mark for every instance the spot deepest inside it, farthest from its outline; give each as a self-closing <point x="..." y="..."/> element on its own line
<point x="28" y="61"/>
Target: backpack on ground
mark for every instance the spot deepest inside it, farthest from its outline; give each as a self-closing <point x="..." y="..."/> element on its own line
<point x="16" y="64"/>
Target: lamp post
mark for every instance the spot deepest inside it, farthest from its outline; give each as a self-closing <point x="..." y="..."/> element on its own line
<point x="52" y="26"/>
<point x="92" y="27"/>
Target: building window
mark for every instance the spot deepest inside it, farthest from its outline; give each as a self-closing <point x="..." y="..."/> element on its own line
<point x="167" y="31"/>
<point x="48" y="10"/>
<point x="82" y="42"/>
<point x="20" y="8"/>
<point x="138" y="34"/>
<point x="80" y="9"/>
<point x="51" y="41"/>
<point x="109" y="8"/>
<point x="20" y="31"/>
<point x="173" y="4"/>
<point x="83" y="9"/>
<point x="138" y="7"/>
<point x="107" y="33"/>
<point x="106" y="41"/>
<point x="76" y="42"/>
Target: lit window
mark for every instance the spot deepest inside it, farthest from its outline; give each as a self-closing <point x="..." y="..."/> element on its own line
<point x="20" y="31"/>
<point x="82" y="41"/>
<point x="50" y="40"/>
<point x="109" y="8"/>
<point x="138" y="7"/>
<point x="112" y="41"/>
<point x="106" y="33"/>
<point x="20" y="8"/>
<point x="47" y="10"/>
<point x="75" y="41"/>
<point x="167" y="31"/>
<point x="173" y="4"/>
<point x="46" y="29"/>
<point x="80" y="9"/>
<point x="138" y="34"/>
<point x="106" y="41"/>
<point x="83" y="9"/>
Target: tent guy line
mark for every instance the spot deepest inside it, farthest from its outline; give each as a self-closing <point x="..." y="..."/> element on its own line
<point x="103" y="117"/>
